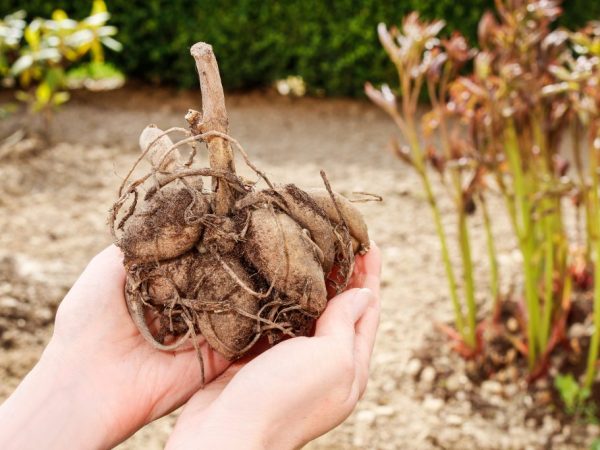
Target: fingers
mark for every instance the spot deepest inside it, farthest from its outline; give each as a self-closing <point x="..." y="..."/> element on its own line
<point x="105" y="270"/>
<point x="204" y="397"/>
<point x="342" y="313"/>
<point x="187" y="384"/>
<point x="366" y="332"/>
<point x="366" y="275"/>
<point x="102" y="280"/>
<point x="367" y="270"/>
<point x="108" y="262"/>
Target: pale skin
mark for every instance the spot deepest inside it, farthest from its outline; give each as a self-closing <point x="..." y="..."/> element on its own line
<point x="98" y="381"/>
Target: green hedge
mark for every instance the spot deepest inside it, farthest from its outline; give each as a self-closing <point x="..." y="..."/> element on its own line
<point x="331" y="44"/>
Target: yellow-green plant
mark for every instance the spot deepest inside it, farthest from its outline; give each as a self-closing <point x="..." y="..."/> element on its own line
<point x="498" y="126"/>
<point x="11" y="33"/>
<point x="40" y="57"/>
<point x="580" y="83"/>
<point x="517" y="128"/>
<point x="424" y="61"/>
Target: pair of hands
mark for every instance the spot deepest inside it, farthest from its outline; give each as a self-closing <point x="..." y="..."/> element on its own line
<point x="99" y="381"/>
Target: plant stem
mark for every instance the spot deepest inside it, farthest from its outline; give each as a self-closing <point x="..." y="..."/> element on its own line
<point x="548" y="283"/>
<point x="590" y="373"/>
<point x="491" y="248"/>
<point x="465" y="250"/>
<point x="463" y="229"/>
<point x="576" y="144"/>
<point x="594" y="227"/>
<point x="213" y="118"/>
<point x="417" y="156"/>
<point x="458" y="314"/>
<point x="526" y="240"/>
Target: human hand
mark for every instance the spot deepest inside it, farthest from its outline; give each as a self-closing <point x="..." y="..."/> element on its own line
<point x="98" y="380"/>
<point x="299" y="389"/>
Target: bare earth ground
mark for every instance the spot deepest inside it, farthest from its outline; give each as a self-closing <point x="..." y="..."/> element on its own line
<point x="53" y="208"/>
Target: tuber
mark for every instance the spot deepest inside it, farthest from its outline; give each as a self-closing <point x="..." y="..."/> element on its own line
<point x="231" y="263"/>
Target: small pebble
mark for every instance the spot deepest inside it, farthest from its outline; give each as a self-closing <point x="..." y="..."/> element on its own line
<point x="512" y="324"/>
<point x="454" y="420"/>
<point x="413" y="367"/>
<point x="433" y="404"/>
<point x="593" y="429"/>
<point x="366" y="416"/>
<point x="428" y="375"/>
<point x="384" y="411"/>
<point x="491" y="387"/>
<point x="9" y="303"/>
<point x="578" y="331"/>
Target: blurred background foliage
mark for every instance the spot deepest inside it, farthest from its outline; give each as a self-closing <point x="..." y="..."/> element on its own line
<point x="332" y="45"/>
<point x="43" y="58"/>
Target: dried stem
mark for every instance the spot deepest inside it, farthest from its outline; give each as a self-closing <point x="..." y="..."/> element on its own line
<point x="213" y="118"/>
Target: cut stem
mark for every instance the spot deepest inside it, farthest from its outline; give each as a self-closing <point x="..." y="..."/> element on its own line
<point x="213" y="118"/>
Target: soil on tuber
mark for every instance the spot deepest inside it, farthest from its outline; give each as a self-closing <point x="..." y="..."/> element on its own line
<point x="231" y="263"/>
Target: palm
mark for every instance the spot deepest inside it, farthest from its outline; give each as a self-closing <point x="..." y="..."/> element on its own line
<point x="143" y="383"/>
<point x="329" y="369"/>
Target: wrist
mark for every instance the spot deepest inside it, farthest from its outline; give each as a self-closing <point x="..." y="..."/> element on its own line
<point x="227" y="427"/>
<point x="51" y="408"/>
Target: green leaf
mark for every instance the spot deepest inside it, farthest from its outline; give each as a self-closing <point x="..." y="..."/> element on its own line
<point x="60" y="97"/>
<point x="21" y="64"/>
<point x="106" y="30"/>
<point x="43" y="93"/>
<point x="32" y="34"/>
<point x="595" y="445"/>
<point x="568" y="388"/>
<point x="112" y="44"/>
<point x="98" y="7"/>
<point x="22" y="96"/>
<point x="54" y="78"/>
<point x="50" y="54"/>
<point x="97" y="20"/>
<point x="584" y="394"/>
<point x="59" y="15"/>
<point x="80" y="39"/>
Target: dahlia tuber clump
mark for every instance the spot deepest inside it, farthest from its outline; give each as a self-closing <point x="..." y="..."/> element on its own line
<point x="231" y="263"/>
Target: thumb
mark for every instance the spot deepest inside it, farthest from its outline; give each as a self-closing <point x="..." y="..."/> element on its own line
<point x="343" y="312"/>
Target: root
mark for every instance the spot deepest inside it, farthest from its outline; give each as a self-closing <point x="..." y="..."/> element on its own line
<point x="234" y="181"/>
<point x="146" y="152"/>
<point x="204" y="136"/>
<point x="243" y="285"/>
<point x="345" y="260"/>
<point x="369" y="197"/>
<point x="140" y="321"/>
<point x="239" y="147"/>
<point x="333" y="199"/>
<point x="229" y="177"/>
<point x="198" y="351"/>
<point x="129" y="212"/>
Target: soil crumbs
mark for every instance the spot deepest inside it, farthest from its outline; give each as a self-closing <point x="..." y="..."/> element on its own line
<point x="53" y="209"/>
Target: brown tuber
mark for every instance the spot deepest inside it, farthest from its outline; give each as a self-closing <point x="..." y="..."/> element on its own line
<point x="232" y="263"/>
